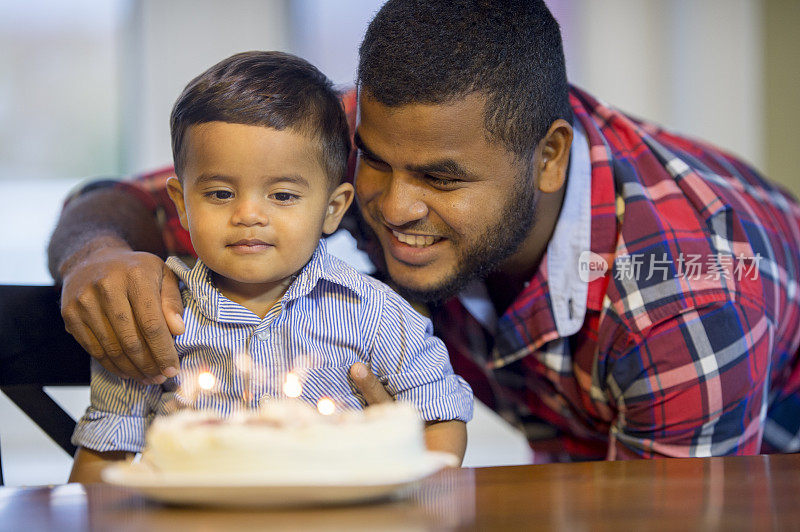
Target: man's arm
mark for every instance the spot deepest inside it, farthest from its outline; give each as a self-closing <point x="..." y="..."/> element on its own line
<point x="119" y="300"/>
<point x="103" y="212"/>
<point x="88" y="464"/>
<point x="693" y="386"/>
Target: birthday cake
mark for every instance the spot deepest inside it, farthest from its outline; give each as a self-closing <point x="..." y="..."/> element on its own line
<point x="288" y="439"/>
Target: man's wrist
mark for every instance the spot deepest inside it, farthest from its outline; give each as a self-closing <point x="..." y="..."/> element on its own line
<point x="95" y="242"/>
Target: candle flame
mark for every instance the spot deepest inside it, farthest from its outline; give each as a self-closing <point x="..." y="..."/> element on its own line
<point x="206" y="380"/>
<point x="326" y="406"/>
<point x="292" y="386"/>
<point x="243" y="362"/>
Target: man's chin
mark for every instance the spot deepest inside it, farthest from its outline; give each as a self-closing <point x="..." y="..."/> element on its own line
<point x="430" y="293"/>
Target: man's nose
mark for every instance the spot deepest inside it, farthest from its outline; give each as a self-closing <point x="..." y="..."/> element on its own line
<point x="249" y="212"/>
<point x="402" y="202"/>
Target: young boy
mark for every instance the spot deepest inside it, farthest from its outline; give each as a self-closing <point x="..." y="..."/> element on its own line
<point x="260" y="144"/>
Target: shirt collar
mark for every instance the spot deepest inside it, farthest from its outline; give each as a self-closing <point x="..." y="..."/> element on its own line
<point x="198" y="285"/>
<point x="211" y="303"/>
<point x="571" y="241"/>
<point x="571" y="237"/>
<point x="320" y="266"/>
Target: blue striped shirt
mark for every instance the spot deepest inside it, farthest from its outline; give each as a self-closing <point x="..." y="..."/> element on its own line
<point x="330" y="317"/>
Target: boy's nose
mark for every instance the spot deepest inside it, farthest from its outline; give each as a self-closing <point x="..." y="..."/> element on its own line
<point x="248" y="212"/>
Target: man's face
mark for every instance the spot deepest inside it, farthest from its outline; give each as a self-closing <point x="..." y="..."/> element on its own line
<point x="446" y="202"/>
<point x="255" y="201"/>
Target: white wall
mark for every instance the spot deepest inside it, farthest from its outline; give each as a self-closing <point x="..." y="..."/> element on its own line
<point x="694" y="66"/>
<point x="58" y="98"/>
<point x="333" y="48"/>
<point x="166" y="44"/>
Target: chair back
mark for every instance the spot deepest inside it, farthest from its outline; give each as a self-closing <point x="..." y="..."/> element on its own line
<point x="36" y="351"/>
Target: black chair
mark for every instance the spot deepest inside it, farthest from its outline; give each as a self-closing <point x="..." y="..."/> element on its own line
<point x="36" y="351"/>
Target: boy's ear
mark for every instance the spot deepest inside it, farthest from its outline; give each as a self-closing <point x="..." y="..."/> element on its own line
<point x="175" y="191"/>
<point x="338" y="202"/>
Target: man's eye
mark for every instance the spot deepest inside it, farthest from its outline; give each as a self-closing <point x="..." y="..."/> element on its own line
<point x="440" y="181"/>
<point x="285" y="197"/>
<point x="220" y="194"/>
<point x="374" y="163"/>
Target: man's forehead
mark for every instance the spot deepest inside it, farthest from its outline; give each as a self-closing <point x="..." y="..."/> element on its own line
<point x="470" y="105"/>
<point x="434" y="125"/>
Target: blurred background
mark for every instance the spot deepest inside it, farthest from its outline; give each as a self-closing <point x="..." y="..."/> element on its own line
<point x="86" y="88"/>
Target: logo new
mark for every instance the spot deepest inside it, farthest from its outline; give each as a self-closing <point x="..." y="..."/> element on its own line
<point x="591" y="266"/>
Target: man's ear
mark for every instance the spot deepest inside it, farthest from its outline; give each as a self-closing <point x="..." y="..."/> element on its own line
<point x="338" y="202"/>
<point x="552" y="156"/>
<point x="175" y="191"/>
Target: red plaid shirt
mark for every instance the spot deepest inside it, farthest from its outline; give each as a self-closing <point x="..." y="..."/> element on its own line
<point x="689" y="344"/>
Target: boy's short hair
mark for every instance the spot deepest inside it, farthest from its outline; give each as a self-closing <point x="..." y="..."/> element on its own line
<point x="270" y="89"/>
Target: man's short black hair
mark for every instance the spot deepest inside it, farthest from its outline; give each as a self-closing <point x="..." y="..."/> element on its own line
<point x="271" y="89"/>
<point x="420" y="51"/>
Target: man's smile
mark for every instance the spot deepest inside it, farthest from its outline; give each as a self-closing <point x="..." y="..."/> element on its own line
<point x="417" y="241"/>
<point x="412" y="249"/>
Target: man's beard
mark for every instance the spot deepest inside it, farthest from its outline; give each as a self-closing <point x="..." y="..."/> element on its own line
<point x="490" y="249"/>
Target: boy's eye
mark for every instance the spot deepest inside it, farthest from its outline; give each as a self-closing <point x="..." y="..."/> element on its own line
<point x="285" y="197"/>
<point x="220" y="194"/>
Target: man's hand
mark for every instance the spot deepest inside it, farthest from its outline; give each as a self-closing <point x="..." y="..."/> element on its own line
<point x="369" y="385"/>
<point x="123" y="307"/>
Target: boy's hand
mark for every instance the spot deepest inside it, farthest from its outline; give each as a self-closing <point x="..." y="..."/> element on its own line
<point x="369" y="385"/>
<point x="123" y="307"/>
<point x="448" y="437"/>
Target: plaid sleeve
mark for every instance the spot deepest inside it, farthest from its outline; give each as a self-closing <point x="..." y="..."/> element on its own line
<point x="151" y="190"/>
<point x="695" y="385"/>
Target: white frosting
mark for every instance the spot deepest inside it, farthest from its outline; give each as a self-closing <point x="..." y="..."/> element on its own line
<point x="287" y="438"/>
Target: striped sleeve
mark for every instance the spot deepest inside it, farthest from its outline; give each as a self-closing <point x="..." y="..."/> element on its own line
<point x="119" y="413"/>
<point x="414" y="366"/>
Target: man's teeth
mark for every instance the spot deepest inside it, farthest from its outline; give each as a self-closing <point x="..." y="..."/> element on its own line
<point x="418" y="241"/>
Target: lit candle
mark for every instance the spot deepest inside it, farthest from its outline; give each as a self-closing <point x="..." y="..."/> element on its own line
<point x="244" y="363"/>
<point x="206" y="380"/>
<point x="186" y="393"/>
<point x="326" y="406"/>
<point x="205" y="383"/>
<point x="291" y="386"/>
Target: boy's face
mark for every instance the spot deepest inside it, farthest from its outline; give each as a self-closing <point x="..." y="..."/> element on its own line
<point x="255" y="201"/>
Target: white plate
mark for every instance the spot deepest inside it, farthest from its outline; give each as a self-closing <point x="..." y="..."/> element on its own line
<point x="219" y="490"/>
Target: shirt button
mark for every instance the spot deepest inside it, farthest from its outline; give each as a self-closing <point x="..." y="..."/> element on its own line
<point x="264" y="398"/>
<point x="263" y="336"/>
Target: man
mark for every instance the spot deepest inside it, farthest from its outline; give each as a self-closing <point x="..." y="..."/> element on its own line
<point x="613" y="289"/>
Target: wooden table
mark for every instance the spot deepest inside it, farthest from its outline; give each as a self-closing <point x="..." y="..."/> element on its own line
<point x="757" y="492"/>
